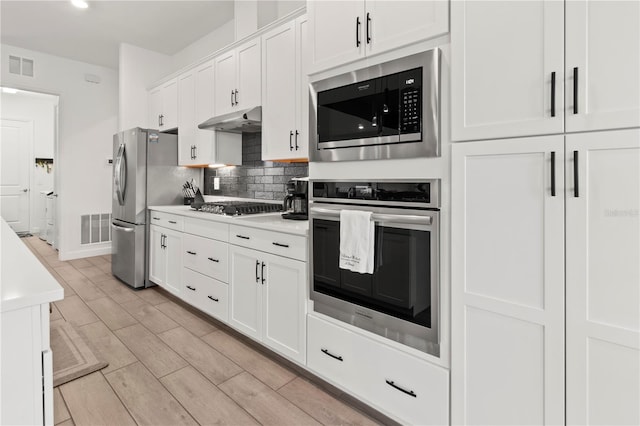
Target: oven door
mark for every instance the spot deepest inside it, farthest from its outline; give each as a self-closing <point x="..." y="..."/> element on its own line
<point x="400" y="300"/>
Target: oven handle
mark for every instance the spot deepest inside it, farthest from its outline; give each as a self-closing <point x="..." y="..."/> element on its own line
<point x="381" y="217"/>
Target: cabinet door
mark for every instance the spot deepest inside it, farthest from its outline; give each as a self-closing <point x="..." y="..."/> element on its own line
<point x="507" y="278"/>
<point x="393" y="24"/>
<point x="603" y="278"/>
<point x="603" y="43"/>
<point x="303" y="63"/>
<point x="336" y="31"/>
<point x="284" y="312"/>
<point x="249" y="81"/>
<point x="225" y="82"/>
<point x="246" y="291"/>
<point x="186" y="118"/>
<point x="155" y="108"/>
<point x="173" y="249"/>
<point x="204" y="139"/>
<point x="170" y="105"/>
<point x="504" y="54"/>
<point x="279" y="93"/>
<point x="157" y="271"/>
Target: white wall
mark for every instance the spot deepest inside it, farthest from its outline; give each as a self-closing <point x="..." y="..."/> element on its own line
<point x="88" y="116"/>
<point x="138" y="68"/>
<point x="40" y="110"/>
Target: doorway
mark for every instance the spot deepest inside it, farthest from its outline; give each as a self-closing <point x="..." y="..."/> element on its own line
<point x="28" y="125"/>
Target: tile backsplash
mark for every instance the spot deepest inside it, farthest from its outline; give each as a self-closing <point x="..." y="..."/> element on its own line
<point x="265" y="180"/>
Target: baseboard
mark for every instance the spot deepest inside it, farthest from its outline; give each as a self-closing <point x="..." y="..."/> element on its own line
<point x="86" y="252"/>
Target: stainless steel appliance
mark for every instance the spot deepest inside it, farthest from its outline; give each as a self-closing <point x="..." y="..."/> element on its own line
<point x="239" y="208"/>
<point x="145" y="173"/>
<point x="243" y="121"/>
<point x="400" y="300"/>
<point x="389" y="110"/>
<point x="296" y="201"/>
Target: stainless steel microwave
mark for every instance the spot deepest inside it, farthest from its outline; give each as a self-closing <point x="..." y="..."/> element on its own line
<point x="389" y="110"/>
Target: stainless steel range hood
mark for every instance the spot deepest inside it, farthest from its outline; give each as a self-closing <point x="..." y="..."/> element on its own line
<point x="242" y="121"/>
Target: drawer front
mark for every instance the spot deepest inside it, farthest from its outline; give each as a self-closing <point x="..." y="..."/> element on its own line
<point x="192" y="285"/>
<point x="406" y="387"/>
<point x="330" y="353"/>
<point x="288" y="245"/>
<point x="207" y="228"/>
<point x="207" y="256"/>
<point x="166" y="220"/>
<point x="207" y="294"/>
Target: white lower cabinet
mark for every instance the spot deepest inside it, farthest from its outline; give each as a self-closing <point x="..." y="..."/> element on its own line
<point x="400" y="385"/>
<point x="545" y="249"/>
<point x="268" y="299"/>
<point x="165" y="258"/>
<point x="205" y="293"/>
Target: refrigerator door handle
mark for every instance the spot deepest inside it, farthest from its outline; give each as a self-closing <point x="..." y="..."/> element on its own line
<point x="120" y="174"/>
<point x="121" y="228"/>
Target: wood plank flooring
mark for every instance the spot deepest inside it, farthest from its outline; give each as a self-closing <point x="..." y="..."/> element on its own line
<point x="170" y="364"/>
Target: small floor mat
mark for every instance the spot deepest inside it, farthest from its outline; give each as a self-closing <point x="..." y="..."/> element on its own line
<point x="72" y="357"/>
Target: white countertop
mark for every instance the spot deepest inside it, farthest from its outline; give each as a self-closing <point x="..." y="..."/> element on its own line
<point x="268" y="221"/>
<point x="24" y="281"/>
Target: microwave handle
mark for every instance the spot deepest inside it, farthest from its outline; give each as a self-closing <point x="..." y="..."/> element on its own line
<point x="381" y="217"/>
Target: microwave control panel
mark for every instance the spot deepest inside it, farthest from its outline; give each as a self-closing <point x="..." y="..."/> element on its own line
<point x="410" y="111"/>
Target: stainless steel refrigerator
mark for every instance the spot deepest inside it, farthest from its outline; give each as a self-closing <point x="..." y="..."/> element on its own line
<point x="145" y="173"/>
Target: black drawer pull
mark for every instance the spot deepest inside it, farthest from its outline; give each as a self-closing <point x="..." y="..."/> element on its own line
<point x="156" y="218"/>
<point x="326" y="352"/>
<point x="553" y="94"/>
<point x="191" y="288"/>
<point x="575" y="90"/>
<point x="553" y="173"/>
<point x="213" y="298"/>
<point x="262" y="273"/>
<point x="191" y="252"/>
<point x="213" y="260"/>
<point x="408" y="392"/>
<point x="173" y="222"/>
<point x="243" y="237"/>
<point x="281" y="245"/>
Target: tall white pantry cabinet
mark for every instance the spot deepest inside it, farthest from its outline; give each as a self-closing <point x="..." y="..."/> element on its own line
<point x="545" y="229"/>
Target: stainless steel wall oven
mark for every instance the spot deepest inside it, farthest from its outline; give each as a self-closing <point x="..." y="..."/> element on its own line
<point x="389" y="110"/>
<point x="400" y="300"/>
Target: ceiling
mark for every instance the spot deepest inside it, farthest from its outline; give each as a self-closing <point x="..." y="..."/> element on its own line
<point x="93" y="35"/>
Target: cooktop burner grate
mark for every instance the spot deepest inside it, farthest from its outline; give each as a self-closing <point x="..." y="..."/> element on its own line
<point x="238" y="208"/>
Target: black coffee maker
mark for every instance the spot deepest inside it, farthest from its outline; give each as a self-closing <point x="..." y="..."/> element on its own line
<point x="295" y="205"/>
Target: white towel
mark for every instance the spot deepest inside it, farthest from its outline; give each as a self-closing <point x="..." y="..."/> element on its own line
<point x="357" y="232"/>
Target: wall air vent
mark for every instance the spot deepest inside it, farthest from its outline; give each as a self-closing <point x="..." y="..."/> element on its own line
<point x="21" y="66"/>
<point x="95" y="228"/>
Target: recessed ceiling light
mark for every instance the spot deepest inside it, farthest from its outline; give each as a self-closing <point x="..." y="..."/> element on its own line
<point x="80" y="4"/>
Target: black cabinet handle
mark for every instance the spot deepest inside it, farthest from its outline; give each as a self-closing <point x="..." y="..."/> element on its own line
<point x="368" y="25"/>
<point x="213" y="260"/>
<point x="553" y="173"/>
<point x="357" y="31"/>
<point x="297" y="134"/>
<point x="156" y="218"/>
<point x="232" y="98"/>
<point x="408" y="392"/>
<point x="243" y="237"/>
<point x="191" y="252"/>
<point x="235" y="96"/>
<point x="173" y="221"/>
<point x="326" y="352"/>
<point x="257" y="266"/>
<point x="160" y="120"/>
<point x="162" y="240"/>
<point x="575" y="91"/>
<point x="191" y="288"/>
<point x="213" y="298"/>
<point x="553" y="94"/>
<point x="280" y="245"/>
<point x="290" y="138"/>
<point x="576" y="190"/>
<point x="262" y="273"/>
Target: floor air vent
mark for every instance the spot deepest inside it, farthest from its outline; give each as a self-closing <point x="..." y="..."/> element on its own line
<point x="95" y="228"/>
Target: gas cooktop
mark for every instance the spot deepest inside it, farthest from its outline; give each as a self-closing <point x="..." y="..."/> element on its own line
<point x="239" y="208"/>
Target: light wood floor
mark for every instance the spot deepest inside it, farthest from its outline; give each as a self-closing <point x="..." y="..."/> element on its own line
<point x="172" y="365"/>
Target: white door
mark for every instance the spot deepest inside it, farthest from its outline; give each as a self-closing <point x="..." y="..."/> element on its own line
<point x="337" y="31"/>
<point x="603" y="48"/>
<point x="170" y="105"/>
<point x="392" y="24"/>
<point x="303" y="65"/>
<point x="249" y="83"/>
<point x="506" y="57"/>
<point x="186" y="119"/>
<point x="205" y="139"/>
<point x="603" y="278"/>
<point x="279" y="93"/>
<point x="245" y="287"/>
<point x="173" y="260"/>
<point x="225" y="82"/>
<point x="284" y="304"/>
<point x="16" y="141"/>
<point x="507" y="272"/>
<point x="157" y="256"/>
<point x="155" y="108"/>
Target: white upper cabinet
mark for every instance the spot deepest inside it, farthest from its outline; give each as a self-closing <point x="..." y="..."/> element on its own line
<point x="603" y="49"/>
<point x="186" y="118"/>
<point x="506" y="57"/>
<point x="163" y="106"/>
<point x="508" y="67"/>
<point x="237" y="82"/>
<point x="285" y="93"/>
<point x="345" y="31"/>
